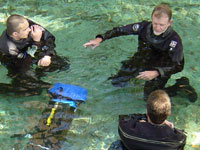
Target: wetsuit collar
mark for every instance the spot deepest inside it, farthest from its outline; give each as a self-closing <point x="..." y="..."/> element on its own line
<point x="157" y="38"/>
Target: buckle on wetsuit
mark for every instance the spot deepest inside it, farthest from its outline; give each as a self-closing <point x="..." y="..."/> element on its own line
<point x="21" y="55"/>
<point x="45" y="48"/>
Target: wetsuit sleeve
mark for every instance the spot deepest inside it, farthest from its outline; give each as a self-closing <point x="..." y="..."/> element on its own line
<point x="131" y="29"/>
<point x="47" y="42"/>
<point x="13" y="52"/>
<point x="177" y="58"/>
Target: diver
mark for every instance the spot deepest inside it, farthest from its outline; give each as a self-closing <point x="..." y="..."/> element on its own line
<point x="150" y="131"/>
<point x="51" y="130"/>
<point x="27" y="51"/>
<point x="159" y="54"/>
<point x="51" y="135"/>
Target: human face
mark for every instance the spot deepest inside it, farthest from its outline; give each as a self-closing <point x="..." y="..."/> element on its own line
<point x="160" y="24"/>
<point x="24" y="30"/>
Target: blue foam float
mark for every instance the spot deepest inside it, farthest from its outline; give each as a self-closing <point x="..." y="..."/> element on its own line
<point x="65" y="93"/>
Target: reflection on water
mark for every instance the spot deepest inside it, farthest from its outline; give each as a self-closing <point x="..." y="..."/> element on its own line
<point x="74" y="22"/>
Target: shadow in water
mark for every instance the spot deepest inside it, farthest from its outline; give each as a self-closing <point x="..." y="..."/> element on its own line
<point x="51" y="133"/>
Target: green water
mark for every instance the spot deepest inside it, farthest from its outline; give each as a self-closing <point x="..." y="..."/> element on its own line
<point x="74" y="22"/>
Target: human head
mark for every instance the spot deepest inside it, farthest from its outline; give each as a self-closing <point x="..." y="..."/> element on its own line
<point x="17" y="27"/>
<point x="158" y="106"/>
<point x="161" y="18"/>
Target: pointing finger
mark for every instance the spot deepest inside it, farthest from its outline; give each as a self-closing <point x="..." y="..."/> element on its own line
<point x="87" y="44"/>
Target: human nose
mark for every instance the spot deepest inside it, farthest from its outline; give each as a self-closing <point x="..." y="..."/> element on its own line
<point x="157" y="27"/>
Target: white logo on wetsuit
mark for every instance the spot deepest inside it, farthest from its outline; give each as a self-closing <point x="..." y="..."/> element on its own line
<point x="172" y="45"/>
<point x="136" y="27"/>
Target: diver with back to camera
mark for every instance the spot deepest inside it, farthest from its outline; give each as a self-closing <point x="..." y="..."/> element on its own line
<point x="150" y="131"/>
<point x="159" y="54"/>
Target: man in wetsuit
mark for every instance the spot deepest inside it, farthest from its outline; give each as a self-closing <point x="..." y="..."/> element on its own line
<point x="27" y="51"/>
<point x="159" y="55"/>
<point x="51" y="130"/>
<point x="150" y="131"/>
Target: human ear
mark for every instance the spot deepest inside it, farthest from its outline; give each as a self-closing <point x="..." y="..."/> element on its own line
<point x="170" y="22"/>
<point x="14" y="34"/>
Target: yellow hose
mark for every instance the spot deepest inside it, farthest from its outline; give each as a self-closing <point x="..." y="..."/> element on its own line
<point x="52" y="114"/>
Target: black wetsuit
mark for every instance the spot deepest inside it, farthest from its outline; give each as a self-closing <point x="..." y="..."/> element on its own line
<point x="163" y="53"/>
<point x="136" y="135"/>
<point x="22" y="65"/>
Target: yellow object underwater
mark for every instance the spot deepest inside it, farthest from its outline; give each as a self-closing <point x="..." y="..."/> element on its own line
<point x="52" y="114"/>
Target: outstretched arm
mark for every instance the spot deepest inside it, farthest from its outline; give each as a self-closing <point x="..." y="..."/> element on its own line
<point x="93" y="43"/>
<point x="115" y="32"/>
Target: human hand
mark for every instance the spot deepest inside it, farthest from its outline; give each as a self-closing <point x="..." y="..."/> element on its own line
<point x="142" y="121"/>
<point x="94" y="43"/>
<point x="169" y="123"/>
<point x="45" y="61"/>
<point x="36" y="32"/>
<point x="148" y="75"/>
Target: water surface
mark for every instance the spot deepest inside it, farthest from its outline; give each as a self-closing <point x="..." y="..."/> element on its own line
<point x="74" y="22"/>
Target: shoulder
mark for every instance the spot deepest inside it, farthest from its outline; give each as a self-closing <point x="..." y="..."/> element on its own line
<point x="12" y="48"/>
<point x="129" y="123"/>
<point x="3" y="37"/>
<point x="175" y="42"/>
<point x="140" y="25"/>
<point x="175" y="36"/>
<point x="7" y="46"/>
<point x="135" y="28"/>
<point x="4" y="42"/>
